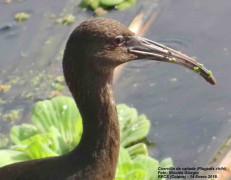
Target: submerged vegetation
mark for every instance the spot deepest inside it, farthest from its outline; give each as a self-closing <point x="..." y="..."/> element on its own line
<point x="57" y="128"/>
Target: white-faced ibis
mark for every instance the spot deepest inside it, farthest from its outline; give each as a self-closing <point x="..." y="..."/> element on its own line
<point x="92" y="52"/>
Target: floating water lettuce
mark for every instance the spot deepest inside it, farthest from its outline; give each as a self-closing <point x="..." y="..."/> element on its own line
<point x="125" y="4"/>
<point x="22" y="132"/>
<point x="111" y="2"/>
<point x="141" y="167"/>
<point x="9" y="156"/>
<point x="62" y="114"/>
<point x="57" y="129"/>
<point x="107" y="4"/>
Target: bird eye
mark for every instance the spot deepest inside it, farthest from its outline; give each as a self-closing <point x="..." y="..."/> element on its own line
<point x="119" y="40"/>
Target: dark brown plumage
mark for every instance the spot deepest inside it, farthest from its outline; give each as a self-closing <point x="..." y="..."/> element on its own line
<point x="92" y="52"/>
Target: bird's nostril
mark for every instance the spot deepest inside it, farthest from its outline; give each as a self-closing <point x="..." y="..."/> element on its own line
<point x="144" y="42"/>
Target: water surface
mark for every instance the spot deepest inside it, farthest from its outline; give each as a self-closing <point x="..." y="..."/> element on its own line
<point x="190" y="118"/>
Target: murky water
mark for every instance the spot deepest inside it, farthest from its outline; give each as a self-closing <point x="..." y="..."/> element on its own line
<point x="190" y="118"/>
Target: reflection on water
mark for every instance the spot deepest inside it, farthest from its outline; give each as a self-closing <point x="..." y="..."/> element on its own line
<point x="190" y="118"/>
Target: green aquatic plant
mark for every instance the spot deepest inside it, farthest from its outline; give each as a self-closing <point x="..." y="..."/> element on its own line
<point x="57" y="128"/>
<point x="196" y="69"/>
<point x="66" y="20"/>
<point x="12" y="115"/>
<point x="210" y="74"/>
<point x="200" y="65"/>
<point x="140" y="167"/>
<point x="4" y="141"/>
<point x="172" y="59"/>
<point x="107" y="4"/>
<point x="22" y="16"/>
<point x="125" y="4"/>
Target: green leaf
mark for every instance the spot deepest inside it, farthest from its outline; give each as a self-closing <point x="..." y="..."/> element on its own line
<point x="22" y="132"/>
<point x="165" y="163"/>
<point x="123" y="156"/>
<point x="110" y="2"/>
<point x="134" y="132"/>
<point x="133" y="128"/>
<point x="11" y="156"/>
<point x="150" y="164"/>
<point x="130" y="171"/>
<point x="38" y="137"/>
<point x="60" y="112"/>
<point x="37" y="150"/>
<point x="126" y="115"/>
<point x="58" y="128"/>
<point x="58" y="144"/>
<point x="37" y="146"/>
<point x="126" y="4"/>
<point x="137" y="149"/>
<point x="44" y="145"/>
<point x="133" y="175"/>
<point x="95" y="4"/>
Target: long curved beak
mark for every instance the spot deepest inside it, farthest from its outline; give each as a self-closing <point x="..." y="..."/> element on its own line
<point x="147" y="49"/>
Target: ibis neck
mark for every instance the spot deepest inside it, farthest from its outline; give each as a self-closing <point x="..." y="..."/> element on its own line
<point x="100" y="140"/>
